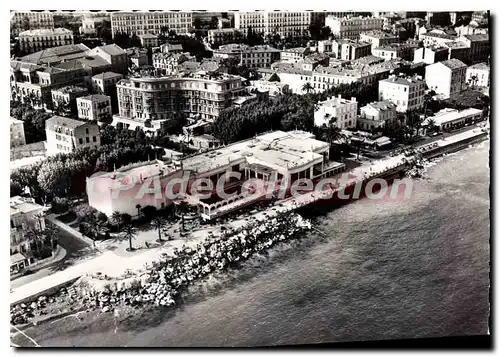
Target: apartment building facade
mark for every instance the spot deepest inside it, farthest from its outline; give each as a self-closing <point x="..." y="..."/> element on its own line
<point x="348" y="50"/>
<point x="341" y="112"/>
<point x="395" y="50"/>
<point x="251" y="57"/>
<point x="352" y="27"/>
<point x="406" y="93"/>
<point x="94" y="107"/>
<point x="377" y="115"/>
<point x="479" y="47"/>
<point x="378" y="38"/>
<point x="36" y="40"/>
<point x="478" y="75"/>
<point x="64" y="98"/>
<point x="222" y="36"/>
<point x="141" y="23"/>
<point x="446" y="78"/>
<point x="283" y="23"/>
<point x="65" y="135"/>
<point x="30" y="20"/>
<point x="195" y="94"/>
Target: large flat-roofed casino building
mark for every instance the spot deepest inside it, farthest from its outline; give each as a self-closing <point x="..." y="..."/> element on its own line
<point x="271" y="157"/>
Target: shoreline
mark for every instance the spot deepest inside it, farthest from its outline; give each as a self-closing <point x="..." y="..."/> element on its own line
<point x="168" y="295"/>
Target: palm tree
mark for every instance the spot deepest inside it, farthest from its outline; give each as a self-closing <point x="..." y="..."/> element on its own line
<point x="116" y="218"/>
<point x="129" y="232"/>
<point x="159" y="223"/>
<point x="307" y="87"/>
<point x="431" y="125"/>
<point x="138" y="207"/>
<point x="182" y="208"/>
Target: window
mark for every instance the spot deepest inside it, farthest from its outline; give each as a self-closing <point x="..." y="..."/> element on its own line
<point x="87" y="140"/>
<point x="80" y="141"/>
<point x="86" y="130"/>
<point x="94" y="139"/>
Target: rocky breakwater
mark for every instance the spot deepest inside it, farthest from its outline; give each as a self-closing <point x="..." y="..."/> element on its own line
<point x="164" y="280"/>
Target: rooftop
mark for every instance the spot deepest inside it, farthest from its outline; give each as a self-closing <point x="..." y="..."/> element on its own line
<point x="278" y="149"/>
<point x="46" y="32"/>
<point x="71" y="89"/>
<point x="478" y="37"/>
<point x="379" y="34"/>
<point x="482" y="66"/>
<point x="403" y="80"/>
<point x="453" y="63"/>
<point x="56" y="54"/>
<point x="95" y="98"/>
<point x="112" y="50"/>
<point x="439" y="35"/>
<point x="62" y="121"/>
<point x="382" y="105"/>
<point x="456" y="44"/>
<point x="447" y="115"/>
<point x="107" y="75"/>
<point x="148" y="35"/>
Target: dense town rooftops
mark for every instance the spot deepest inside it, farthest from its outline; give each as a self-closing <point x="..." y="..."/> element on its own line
<point x="201" y="75"/>
<point x="46" y="32"/>
<point x="456" y="45"/>
<point x="367" y="60"/>
<point x="58" y="121"/>
<point x="107" y="75"/>
<point x="396" y="46"/>
<point x="16" y="65"/>
<point x="148" y="35"/>
<point x="454" y="63"/>
<point x="353" y="43"/>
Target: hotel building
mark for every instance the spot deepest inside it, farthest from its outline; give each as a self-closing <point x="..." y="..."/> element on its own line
<point x="156" y="98"/>
<point x="251" y="57"/>
<point x="345" y="49"/>
<point x="30" y="20"/>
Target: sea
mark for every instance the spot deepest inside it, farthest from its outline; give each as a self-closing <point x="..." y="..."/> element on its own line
<point x="370" y="271"/>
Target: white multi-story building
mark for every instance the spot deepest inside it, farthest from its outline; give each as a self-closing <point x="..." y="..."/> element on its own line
<point x="294" y="55"/>
<point x="430" y="55"/>
<point x="375" y="115"/>
<point x="169" y="63"/>
<point x="342" y="112"/>
<point x="105" y="83"/>
<point x="161" y="98"/>
<point x="283" y="23"/>
<point x="65" y="97"/>
<point x="40" y="39"/>
<point x="222" y="36"/>
<point x="378" y="38"/>
<point x="251" y="57"/>
<point x="352" y="27"/>
<point x="17" y="137"/>
<point x="446" y="78"/>
<point x="348" y="50"/>
<point x="30" y="20"/>
<point x="478" y="75"/>
<point x="149" y="41"/>
<point x="434" y="38"/>
<point x="94" y="107"/>
<point x="406" y="93"/>
<point x="65" y="135"/>
<point x="324" y="46"/>
<point x="25" y="214"/>
<point x="141" y="23"/>
<point x="395" y="50"/>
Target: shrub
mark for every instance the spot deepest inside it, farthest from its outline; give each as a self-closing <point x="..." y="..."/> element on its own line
<point x="60" y="204"/>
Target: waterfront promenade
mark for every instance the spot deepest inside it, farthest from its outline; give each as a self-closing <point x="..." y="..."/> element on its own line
<point x="116" y="266"/>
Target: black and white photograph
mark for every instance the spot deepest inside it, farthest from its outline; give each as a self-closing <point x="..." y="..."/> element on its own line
<point x="267" y="178"/>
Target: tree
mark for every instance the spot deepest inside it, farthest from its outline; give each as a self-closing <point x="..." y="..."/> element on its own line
<point x="129" y="233"/>
<point x="138" y="207"/>
<point x="159" y="223"/>
<point x="182" y="209"/>
<point x="116" y="219"/>
<point x="307" y="87"/>
<point x="431" y="125"/>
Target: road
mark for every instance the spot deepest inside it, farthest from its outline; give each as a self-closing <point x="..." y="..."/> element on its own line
<point x="76" y="251"/>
